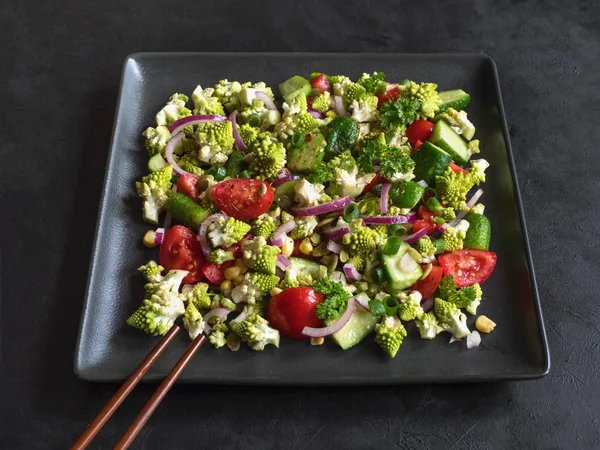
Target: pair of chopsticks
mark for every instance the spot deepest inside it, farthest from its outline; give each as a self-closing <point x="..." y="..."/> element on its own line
<point x="149" y="408"/>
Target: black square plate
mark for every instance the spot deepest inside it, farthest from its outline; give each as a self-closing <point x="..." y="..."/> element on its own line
<point x="108" y="350"/>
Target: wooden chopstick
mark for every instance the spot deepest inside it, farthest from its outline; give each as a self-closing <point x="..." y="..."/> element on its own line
<point x="137" y="425"/>
<point x="92" y="430"/>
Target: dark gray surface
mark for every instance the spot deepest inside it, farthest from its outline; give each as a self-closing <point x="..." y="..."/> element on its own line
<point x="109" y="350"/>
<point x="60" y="72"/>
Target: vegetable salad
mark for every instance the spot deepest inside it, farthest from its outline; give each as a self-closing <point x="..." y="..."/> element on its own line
<point x="340" y="209"/>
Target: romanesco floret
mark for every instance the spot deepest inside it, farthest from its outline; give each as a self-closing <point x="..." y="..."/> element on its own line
<point x="382" y="234"/>
<point x="196" y="294"/>
<point x="309" y="194"/>
<point x="428" y="325"/>
<point x="305" y="226"/>
<point x="156" y="139"/>
<point x="264" y="225"/>
<point x="248" y="133"/>
<point x="174" y="109"/>
<point x="348" y="180"/>
<point x="217" y="337"/>
<point x="426" y="94"/>
<point x="155" y="189"/>
<point x="473" y="147"/>
<point x="220" y="301"/>
<point x="256" y="108"/>
<point x="479" y="208"/>
<point x="373" y="83"/>
<point x="453" y="239"/>
<point x="451" y="319"/>
<point x="447" y="214"/>
<point x="459" y="122"/>
<point x="262" y="86"/>
<point x="361" y="240"/>
<point x="190" y="163"/>
<point x="267" y="158"/>
<point x="256" y="332"/>
<point x="425" y="247"/>
<point x="477" y="170"/>
<point x="253" y="287"/>
<point x="410" y="306"/>
<point x="452" y="188"/>
<point x="226" y="232"/>
<point x="303" y="122"/>
<point x="322" y="103"/>
<point x="354" y="91"/>
<point x="389" y="335"/>
<point x="219" y="256"/>
<point x="260" y="256"/>
<point x="216" y="141"/>
<point x="193" y="321"/>
<point x="152" y="272"/>
<point x="468" y="297"/>
<point x="162" y="304"/>
<point x="227" y="93"/>
<point x="298" y="275"/>
<point x="364" y="109"/>
<point x="295" y="106"/>
<point x="205" y="103"/>
<point x="340" y="84"/>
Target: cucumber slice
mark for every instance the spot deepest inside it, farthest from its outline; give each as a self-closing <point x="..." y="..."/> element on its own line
<point x="157" y="162"/>
<point x="430" y="160"/>
<point x="456" y="98"/>
<point x="293" y="87"/>
<point x="285" y="193"/>
<point x="306" y="158"/>
<point x="406" y="194"/>
<point x="446" y="138"/>
<point x="400" y="270"/>
<point x="360" y="325"/>
<point x="186" y="211"/>
<point x="479" y="232"/>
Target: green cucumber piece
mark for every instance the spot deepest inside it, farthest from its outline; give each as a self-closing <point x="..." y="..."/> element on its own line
<point x="479" y="232"/>
<point x="400" y="272"/>
<point x="456" y="99"/>
<point x="308" y="157"/>
<point x="430" y="160"/>
<point x="157" y="162"/>
<point x="186" y="211"/>
<point x="312" y="268"/>
<point x="446" y="138"/>
<point x="360" y="325"/>
<point x="285" y="193"/>
<point x="406" y="194"/>
<point x="293" y="87"/>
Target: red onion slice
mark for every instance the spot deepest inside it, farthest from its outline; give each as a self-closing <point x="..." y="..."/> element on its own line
<point x="239" y="142"/>
<point x="473" y="339"/>
<point x="158" y="237"/>
<point x="362" y="300"/>
<point x="389" y="220"/>
<point x="170" y="148"/>
<point x="316" y="114"/>
<point x="476" y="196"/>
<point x="280" y="181"/>
<point x="282" y="173"/>
<point x="279" y="235"/>
<point x="282" y="262"/>
<point x="461" y="215"/>
<point x="334" y="247"/>
<point x="334" y="205"/>
<point x="423" y="184"/>
<point x="428" y="303"/>
<point x="334" y="234"/>
<point x="180" y="124"/>
<point x="221" y="313"/>
<point x="263" y="97"/>
<point x="339" y="105"/>
<point x="335" y="326"/>
<point x="383" y="201"/>
<point x="351" y="273"/>
<point x="202" y="232"/>
<point x="412" y="238"/>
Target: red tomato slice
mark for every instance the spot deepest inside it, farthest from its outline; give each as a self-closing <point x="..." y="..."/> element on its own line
<point x="468" y="266"/>
<point x="420" y="224"/>
<point x="456" y="168"/>
<point x="188" y="184"/>
<point x="374" y="182"/>
<point x="419" y="130"/>
<point x="216" y="273"/>
<point x="430" y="283"/>
<point x="418" y="144"/>
<point x="293" y="309"/>
<point x="180" y="250"/>
<point x="391" y="93"/>
<point x="243" y="198"/>
<point x="321" y="82"/>
<point x="425" y="213"/>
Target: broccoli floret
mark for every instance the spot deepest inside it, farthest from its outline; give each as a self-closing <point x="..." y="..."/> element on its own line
<point x="226" y="232"/>
<point x="227" y="93"/>
<point x="473" y="147"/>
<point x="253" y="287"/>
<point x="205" y="103"/>
<point x="152" y="272"/>
<point x="477" y="170"/>
<point x="428" y="325"/>
<point x="260" y="256"/>
<point x="193" y="321"/>
<point x="216" y="141"/>
<point x="303" y="122"/>
<point x="427" y="96"/>
<point x="410" y="306"/>
<point x="454" y="236"/>
<point x="174" y="110"/>
<point x="389" y="335"/>
<point x="156" y="139"/>
<point x="196" y="294"/>
<point x="468" y="297"/>
<point x="267" y="158"/>
<point x="162" y="303"/>
<point x="305" y="226"/>
<point x="219" y="256"/>
<point x="256" y="332"/>
<point x="373" y="83"/>
<point x="308" y="194"/>
<point x="264" y="225"/>
<point x="451" y="319"/>
<point x="459" y="122"/>
<point x="452" y="188"/>
<point x="155" y="189"/>
<point x="425" y="247"/>
<point x="248" y="133"/>
<point x="322" y="103"/>
<point x="364" y="109"/>
<point x="348" y="180"/>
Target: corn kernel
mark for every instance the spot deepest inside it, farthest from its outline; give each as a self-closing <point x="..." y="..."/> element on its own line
<point x="288" y="247"/>
<point x="238" y="280"/>
<point x="305" y="246"/>
<point x="226" y="285"/>
<point x="484" y="324"/>
<point x="232" y="272"/>
<point x="317" y="341"/>
<point x="275" y="291"/>
<point x="242" y="265"/>
<point x="149" y="239"/>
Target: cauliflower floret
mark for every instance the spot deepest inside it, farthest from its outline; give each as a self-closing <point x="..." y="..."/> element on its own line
<point x="174" y="109"/>
<point x="205" y="103"/>
<point x="459" y="122"/>
<point x="348" y="179"/>
<point x="308" y="194"/>
<point x="341" y="86"/>
<point x="156" y="139"/>
<point x="226" y="232"/>
<point x="365" y="108"/>
<point x="253" y="287"/>
<point x="477" y="170"/>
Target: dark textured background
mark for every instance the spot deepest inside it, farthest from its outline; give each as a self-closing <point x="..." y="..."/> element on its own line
<point x="60" y="73"/>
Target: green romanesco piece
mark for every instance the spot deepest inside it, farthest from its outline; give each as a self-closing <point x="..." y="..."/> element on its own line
<point x="217" y="338"/>
<point x="410" y="306"/>
<point x="193" y="321"/>
<point x="295" y="106"/>
<point x="256" y="332"/>
<point x="226" y="232"/>
<point x="479" y="208"/>
<point x="267" y="158"/>
<point x="151" y="271"/>
<point x="426" y="94"/>
<point x="155" y="189"/>
<point x="190" y="163"/>
<point x="322" y="103"/>
<point x="227" y="93"/>
<point x="220" y="301"/>
<point x="348" y="179"/>
<point x="156" y="139"/>
<point x="389" y="335"/>
<point x="452" y="188"/>
<point x="447" y="214"/>
<point x="473" y="147"/>
<point x="361" y="240"/>
<point x="477" y="170"/>
<point x="216" y="134"/>
<point x="451" y="319"/>
<point x="253" y="287"/>
<point x="354" y="91"/>
<point x="174" y="110"/>
<point x="264" y="225"/>
<point x="248" y="133"/>
<point x="453" y="239"/>
<point x="260" y="256"/>
<point x="305" y="226"/>
<point x="425" y="247"/>
<point x="257" y="108"/>
<point x="359" y="261"/>
<point x="205" y="103"/>
<point x="303" y="123"/>
<point x="468" y="297"/>
<point x="428" y="325"/>
<point x="219" y="256"/>
<point x="196" y="294"/>
<point x="373" y="83"/>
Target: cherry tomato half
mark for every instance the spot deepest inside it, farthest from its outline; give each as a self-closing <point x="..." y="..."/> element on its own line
<point x="215" y="273"/>
<point x="468" y="266"/>
<point x="391" y="93"/>
<point x="293" y="309"/>
<point x="180" y="250"/>
<point x="430" y="283"/>
<point x="456" y="168"/>
<point x="419" y="130"/>
<point x="188" y="184"/>
<point x="243" y="198"/>
<point x="321" y="82"/>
